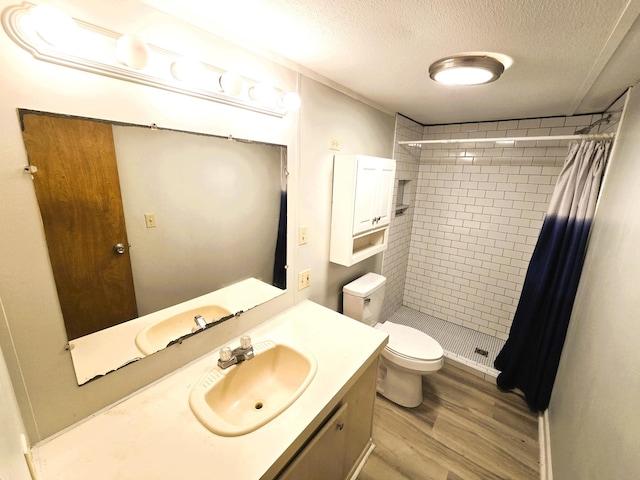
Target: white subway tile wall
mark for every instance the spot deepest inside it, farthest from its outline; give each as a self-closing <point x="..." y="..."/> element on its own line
<point x="462" y="250"/>
<point x="396" y="257"/>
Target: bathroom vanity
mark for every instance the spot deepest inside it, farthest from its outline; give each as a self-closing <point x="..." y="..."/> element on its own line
<point x="325" y="433"/>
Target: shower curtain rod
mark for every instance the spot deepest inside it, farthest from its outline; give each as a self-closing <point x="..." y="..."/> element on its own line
<point x="588" y="136"/>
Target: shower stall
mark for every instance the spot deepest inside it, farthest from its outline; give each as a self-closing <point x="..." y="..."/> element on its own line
<point x="469" y="212"/>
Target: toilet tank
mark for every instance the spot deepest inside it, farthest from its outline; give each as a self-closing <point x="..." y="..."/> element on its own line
<point x="363" y="298"/>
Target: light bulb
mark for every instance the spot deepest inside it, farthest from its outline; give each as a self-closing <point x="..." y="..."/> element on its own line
<point x="289" y="101"/>
<point x="263" y="93"/>
<point x="132" y="51"/>
<point x="187" y="69"/>
<point x="231" y="83"/>
<point x="54" y="26"/>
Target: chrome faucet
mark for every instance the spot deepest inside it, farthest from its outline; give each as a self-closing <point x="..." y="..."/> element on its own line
<point x="230" y="357"/>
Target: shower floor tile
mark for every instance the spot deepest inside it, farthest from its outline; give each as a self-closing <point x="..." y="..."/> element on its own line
<point x="459" y="343"/>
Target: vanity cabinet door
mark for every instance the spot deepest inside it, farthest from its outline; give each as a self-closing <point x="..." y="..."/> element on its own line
<point x="323" y="457"/>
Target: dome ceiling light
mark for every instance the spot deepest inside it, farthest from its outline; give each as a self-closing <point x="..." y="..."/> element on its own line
<point x="466" y="70"/>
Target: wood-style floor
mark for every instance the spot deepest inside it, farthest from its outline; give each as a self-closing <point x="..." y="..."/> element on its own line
<point x="465" y="429"/>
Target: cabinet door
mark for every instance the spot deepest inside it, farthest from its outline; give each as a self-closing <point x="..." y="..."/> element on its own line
<point x="373" y="193"/>
<point x="384" y="198"/>
<point x="323" y="457"/>
<point x="365" y="194"/>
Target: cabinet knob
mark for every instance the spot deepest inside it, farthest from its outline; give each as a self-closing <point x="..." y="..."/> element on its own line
<point x="339" y="425"/>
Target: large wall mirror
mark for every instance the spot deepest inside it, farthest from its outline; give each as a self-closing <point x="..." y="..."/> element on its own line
<point x="140" y="221"/>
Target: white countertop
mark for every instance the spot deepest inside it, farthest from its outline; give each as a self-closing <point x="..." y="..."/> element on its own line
<point x="154" y="435"/>
<point x="109" y="349"/>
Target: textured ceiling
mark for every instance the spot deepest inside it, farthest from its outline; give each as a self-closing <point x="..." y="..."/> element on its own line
<point x="569" y="56"/>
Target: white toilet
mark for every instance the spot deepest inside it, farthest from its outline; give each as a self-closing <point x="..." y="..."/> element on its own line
<point x="409" y="354"/>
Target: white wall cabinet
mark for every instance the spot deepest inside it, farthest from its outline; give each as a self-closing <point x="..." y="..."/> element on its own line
<point x="362" y="207"/>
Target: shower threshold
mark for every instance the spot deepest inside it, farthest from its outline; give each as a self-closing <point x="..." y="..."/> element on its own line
<point x="465" y="348"/>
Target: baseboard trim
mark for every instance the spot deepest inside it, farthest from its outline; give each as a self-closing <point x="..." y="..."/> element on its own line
<point x="363" y="459"/>
<point x="544" y="439"/>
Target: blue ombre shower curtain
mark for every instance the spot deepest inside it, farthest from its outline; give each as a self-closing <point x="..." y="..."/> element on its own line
<point x="530" y="357"/>
<point x="280" y="260"/>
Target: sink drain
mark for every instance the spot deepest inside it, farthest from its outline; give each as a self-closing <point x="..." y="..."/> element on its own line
<point x="258" y="406"/>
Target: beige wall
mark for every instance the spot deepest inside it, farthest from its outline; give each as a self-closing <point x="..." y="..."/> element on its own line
<point x="359" y="128"/>
<point x="205" y="193"/>
<point x="594" y="418"/>
<point x="32" y="336"/>
<point x="12" y="464"/>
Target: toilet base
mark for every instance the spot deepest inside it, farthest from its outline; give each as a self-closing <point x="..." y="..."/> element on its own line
<point x="400" y="386"/>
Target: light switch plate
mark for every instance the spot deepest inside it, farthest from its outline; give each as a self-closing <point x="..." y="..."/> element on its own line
<point x="150" y="220"/>
<point x="304" y="279"/>
<point x="302" y="235"/>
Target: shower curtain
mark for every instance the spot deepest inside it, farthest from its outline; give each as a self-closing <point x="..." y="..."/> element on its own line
<point x="530" y="357"/>
<point x="280" y="260"/>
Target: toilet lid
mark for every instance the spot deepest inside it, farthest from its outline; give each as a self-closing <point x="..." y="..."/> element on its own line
<point x="410" y="342"/>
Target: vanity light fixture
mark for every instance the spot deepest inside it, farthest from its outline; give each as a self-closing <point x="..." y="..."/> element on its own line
<point x="45" y="32"/>
<point x="466" y="70"/>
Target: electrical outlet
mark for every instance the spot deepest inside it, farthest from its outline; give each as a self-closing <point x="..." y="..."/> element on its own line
<point x="150" y="220"/>
<point x="304" y="279"/>
<point x="302" y="235"/>
<point x="334" y="143"/>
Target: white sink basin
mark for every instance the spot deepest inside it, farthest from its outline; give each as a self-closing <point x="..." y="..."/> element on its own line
<point x="158" y="335"/>
<point x="246" y="396"/>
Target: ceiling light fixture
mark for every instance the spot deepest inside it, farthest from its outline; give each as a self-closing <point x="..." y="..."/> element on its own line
<point x="466" y="70"/>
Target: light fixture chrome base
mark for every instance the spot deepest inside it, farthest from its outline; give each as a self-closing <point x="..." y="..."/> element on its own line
<point x="486" y="68"/>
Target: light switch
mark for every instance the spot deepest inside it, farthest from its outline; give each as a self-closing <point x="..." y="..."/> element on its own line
<point x="150" y="220"/>
<point x="302" y="238"/>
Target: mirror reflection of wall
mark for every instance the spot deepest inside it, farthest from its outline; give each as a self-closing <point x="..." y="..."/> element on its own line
<point x="216" y="206"/>
<point x="201" y="213"/>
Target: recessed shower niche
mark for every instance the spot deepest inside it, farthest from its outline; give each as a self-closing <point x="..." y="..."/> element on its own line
<point x="402" y="196"/>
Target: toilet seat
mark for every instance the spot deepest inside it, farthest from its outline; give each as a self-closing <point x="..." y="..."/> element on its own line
<point x="411" y="349"/>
